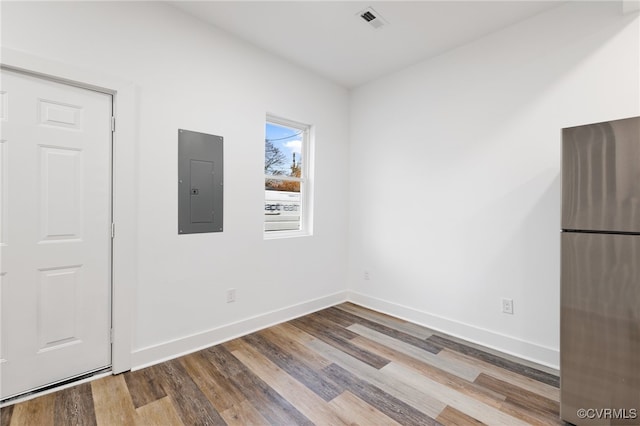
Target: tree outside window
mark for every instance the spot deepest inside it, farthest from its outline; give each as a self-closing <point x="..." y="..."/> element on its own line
<point x="285" y="179"/>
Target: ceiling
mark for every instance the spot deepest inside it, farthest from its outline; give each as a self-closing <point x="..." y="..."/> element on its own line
<point x="331" y="39"/>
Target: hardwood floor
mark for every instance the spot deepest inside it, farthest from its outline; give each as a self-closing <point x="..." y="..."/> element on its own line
<point x="342" y="365"/>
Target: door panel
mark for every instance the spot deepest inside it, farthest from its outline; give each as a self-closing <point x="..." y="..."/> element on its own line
<point x="57" y="305"/>
<point x="599" y="325"/>
<point x="3" y="320"/>
<point x="56" y="253"/>
<point x="4" y="170"/>
<point x="60" y="192"/>
<point x="599" y="176"/>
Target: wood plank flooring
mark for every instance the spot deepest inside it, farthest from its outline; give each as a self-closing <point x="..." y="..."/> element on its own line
<point x="342" y="365"/>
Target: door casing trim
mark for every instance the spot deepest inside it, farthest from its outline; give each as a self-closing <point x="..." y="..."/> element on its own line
<point x="124" y="186"/>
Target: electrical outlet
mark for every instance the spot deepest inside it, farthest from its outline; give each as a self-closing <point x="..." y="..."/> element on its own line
<point x="366" y="276"/>
<point x="231" y="295"/>
<point x="507" y="306"/>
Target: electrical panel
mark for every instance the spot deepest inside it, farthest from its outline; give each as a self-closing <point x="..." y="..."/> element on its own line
<point x="200" y="182"/>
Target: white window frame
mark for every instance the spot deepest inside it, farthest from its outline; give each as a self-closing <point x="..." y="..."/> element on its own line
<point x="306" y="189"/>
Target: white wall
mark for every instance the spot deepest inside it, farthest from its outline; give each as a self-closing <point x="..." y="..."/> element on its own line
<point x="455" y="173"/>
<point x="191" y="76"/>
<point x="453" y="167"/>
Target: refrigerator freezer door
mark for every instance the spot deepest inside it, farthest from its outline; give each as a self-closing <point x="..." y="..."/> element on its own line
<point x="601" y="176"/>
<point x="600" y="329"/>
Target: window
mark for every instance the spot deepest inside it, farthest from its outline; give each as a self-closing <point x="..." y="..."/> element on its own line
<point x="286" y="178"/>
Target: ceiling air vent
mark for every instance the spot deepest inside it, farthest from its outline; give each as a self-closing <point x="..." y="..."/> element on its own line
<point x="372" y="17"/>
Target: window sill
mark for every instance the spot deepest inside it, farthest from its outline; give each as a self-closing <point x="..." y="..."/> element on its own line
<point x="277" y="235"/>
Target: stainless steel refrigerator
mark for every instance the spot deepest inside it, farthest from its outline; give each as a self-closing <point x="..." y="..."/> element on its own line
<point x="600" y="274"/>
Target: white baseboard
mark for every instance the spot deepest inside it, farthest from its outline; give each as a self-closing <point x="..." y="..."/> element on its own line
<point x="172" y="349"/>
<point x="538" y="354"/>
<point x="506" y="344"/>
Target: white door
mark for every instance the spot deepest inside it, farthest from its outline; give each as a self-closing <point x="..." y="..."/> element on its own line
<point x="55" y="232"/>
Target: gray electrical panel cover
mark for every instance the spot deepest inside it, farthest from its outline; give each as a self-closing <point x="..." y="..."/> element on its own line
<point x="200" y="182"/>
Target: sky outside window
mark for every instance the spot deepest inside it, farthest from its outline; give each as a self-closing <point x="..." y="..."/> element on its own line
<point x="285" y="142"/>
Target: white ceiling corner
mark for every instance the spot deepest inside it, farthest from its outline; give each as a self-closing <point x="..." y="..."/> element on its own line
<point x="329" y="37"/>
<point x="630" y="6"/>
